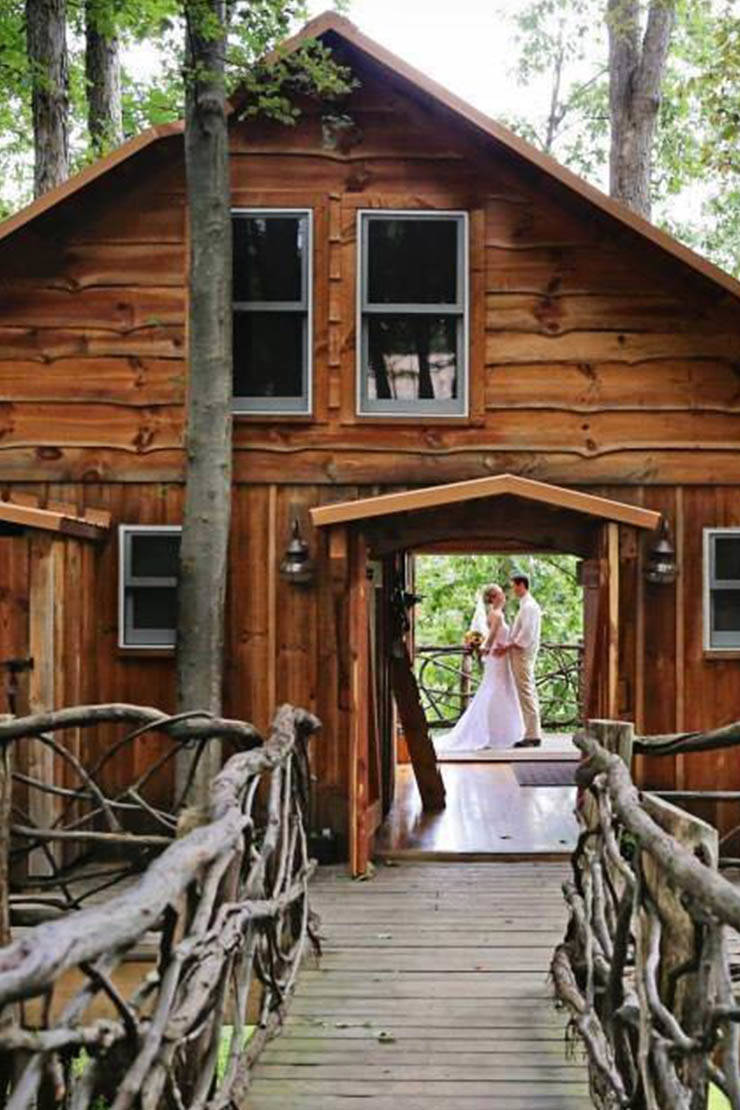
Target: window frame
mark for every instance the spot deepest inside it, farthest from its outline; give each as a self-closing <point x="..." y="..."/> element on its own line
<point x="710" y="584"/>
<point x="394" y="410"/>
<point x="126" y="582"/>
<point x="288" y="406"/>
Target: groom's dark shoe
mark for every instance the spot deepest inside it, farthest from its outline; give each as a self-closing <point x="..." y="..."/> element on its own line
<point x="528" y="742"/>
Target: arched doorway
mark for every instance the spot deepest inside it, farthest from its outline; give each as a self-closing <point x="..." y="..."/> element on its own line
<point x="368" y="544"/>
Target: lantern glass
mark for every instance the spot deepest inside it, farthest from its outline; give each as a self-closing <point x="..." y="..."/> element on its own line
<point x="296" y="564"/>
<point x="661" y="564"/>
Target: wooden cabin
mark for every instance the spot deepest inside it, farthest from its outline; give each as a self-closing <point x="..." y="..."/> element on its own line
<point x="443" y="341"/>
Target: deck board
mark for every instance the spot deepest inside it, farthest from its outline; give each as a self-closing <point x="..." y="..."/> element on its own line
<point x="432" y="992"/>
<point x="487" y="816"/>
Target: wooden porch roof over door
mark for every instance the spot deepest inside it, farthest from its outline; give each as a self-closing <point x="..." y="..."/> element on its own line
<point x="455" y="493"/>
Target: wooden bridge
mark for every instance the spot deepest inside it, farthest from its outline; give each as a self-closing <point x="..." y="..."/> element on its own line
<point x="432" y="992"/>
<point x="436" y="983"/>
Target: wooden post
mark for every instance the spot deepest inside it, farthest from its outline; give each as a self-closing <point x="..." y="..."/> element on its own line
<point x="466" y="668"/>
<point x="46" y="602"/>
<point x="683" y="972"/>
<point x="616" y="736"/>
<point x="612" y="691"/>
<point x="415" y="729"/>
<point x="6" y="786"/>
<point x="359" y="712"/>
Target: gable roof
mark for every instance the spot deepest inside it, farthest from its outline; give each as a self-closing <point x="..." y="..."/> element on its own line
<point x="331" y="23"/>
<point x="432" y="497"/>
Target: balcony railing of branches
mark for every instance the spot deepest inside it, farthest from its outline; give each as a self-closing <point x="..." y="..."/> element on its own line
<point x="644" y="969"/>
<point x="220" y="900"/>
<point x="449" y="676"/>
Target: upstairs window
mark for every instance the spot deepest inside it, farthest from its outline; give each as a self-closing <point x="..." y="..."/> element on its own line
<point x="272" y="310"/>
<point x="148" y="570"/>
<point x="413" y="292"/>
<point x="722" y="589"/>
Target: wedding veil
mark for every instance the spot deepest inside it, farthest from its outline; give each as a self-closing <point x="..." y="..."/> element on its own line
<point x="479" y="623"/>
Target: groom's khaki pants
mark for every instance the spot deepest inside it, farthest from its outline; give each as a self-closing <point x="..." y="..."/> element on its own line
<point x="523" y="666"/>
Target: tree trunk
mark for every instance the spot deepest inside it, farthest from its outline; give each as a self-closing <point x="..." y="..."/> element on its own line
<point x="205" y="533"/>
<point x="46" y="46"/>
<point x="103" y="75"/>
<point x="636" y="72"/>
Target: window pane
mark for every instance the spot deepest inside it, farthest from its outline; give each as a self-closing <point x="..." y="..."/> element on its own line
<point x="412" y="357"/>
<point x="267" y="255"/>
<point x="154" y="555"/>
<point x="412" y="261"/>
<point x="154" y="607"/>
<point x="727" y="558"/>
<point x="726" y="610"/>
<point x="268" y="354"/>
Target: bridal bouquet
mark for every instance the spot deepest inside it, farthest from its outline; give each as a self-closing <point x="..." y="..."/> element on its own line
<point x="473" y="641"/>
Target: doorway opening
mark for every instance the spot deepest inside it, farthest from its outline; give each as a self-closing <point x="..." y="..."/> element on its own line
<point x="449" y="668"/>
<point x="499" y="799"/>
<point x="371" y="547"/>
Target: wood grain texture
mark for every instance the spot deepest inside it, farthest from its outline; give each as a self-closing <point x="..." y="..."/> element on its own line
<point x="487" y="814"/>
<point x="452" y="1021"/>
<point x="563" y="352"/>
<point x="598" y="363"/>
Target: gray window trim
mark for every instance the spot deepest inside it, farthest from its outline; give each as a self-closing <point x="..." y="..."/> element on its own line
<point x="367" y="406"/>
<point x="128" y="635"/>
<point x="713" y="639"/>
<point x="302" y="405"/>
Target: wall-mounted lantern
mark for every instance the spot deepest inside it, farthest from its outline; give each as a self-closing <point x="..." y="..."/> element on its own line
<point x="296" y="565"/>
<point x="661" y="562"/>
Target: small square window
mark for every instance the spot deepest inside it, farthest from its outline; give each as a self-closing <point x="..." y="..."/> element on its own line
<point x="148" y="570"/>
<point x="272" y="310"/>
<point x="412" y="335"/>
<point x="721" y="589"/>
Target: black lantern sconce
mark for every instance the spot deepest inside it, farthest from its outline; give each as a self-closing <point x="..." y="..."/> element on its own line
<point x="661" y="566"/>
<point x="296" y="565"/>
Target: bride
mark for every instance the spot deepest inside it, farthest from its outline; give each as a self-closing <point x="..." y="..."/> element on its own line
<point x="494" y="717"/>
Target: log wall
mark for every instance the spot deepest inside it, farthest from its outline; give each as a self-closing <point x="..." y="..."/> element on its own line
<point x="595" y="361"/>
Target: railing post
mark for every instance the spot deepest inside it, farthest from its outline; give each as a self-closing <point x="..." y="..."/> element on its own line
<point x="616" y="736"/>
<point x="466" y="670"/>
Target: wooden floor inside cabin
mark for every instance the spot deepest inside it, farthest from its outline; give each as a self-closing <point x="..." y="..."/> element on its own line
<point x="432" y="994"/>
<point x="555" y="745"/>
<point x="487" y="815"/>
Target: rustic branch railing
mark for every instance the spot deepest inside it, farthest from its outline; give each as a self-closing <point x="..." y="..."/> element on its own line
<point x="449" y="676"/>
<point x="644" y="969"/>
<point x="224" y="907"/>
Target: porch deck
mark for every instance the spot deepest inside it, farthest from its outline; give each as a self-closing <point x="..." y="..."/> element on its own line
<point x="432" y="992"/>
<point x="487" y="816"/>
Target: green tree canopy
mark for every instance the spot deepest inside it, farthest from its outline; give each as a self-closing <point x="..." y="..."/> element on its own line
<point x="696" y="180"/>
<point x="450" y="584"/>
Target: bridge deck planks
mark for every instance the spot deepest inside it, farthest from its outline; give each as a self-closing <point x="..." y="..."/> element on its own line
<point x="432" y="992"/>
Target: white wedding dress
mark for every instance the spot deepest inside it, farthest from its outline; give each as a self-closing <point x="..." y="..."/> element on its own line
<point x="494" y="717"/>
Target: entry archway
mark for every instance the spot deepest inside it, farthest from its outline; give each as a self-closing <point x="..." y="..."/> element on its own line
<point x="503" y="512"/>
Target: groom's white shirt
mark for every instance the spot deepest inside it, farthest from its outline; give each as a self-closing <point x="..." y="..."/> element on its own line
<point x="525" y="632"/>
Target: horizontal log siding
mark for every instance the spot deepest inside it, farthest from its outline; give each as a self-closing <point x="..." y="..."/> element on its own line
<point x="596" y="362"/>
<point x="593" y="358"/>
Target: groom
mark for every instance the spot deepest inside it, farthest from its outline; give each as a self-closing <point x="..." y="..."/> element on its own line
<point x="524" y="643"/>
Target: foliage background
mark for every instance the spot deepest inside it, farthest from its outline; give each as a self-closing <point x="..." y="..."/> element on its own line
<point x="450" y="585"/>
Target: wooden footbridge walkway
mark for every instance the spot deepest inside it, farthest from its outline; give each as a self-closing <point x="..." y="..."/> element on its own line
<point x="432" y="992"/>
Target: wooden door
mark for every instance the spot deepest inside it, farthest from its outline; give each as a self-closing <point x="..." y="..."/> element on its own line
<point x="600" y="576"/>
